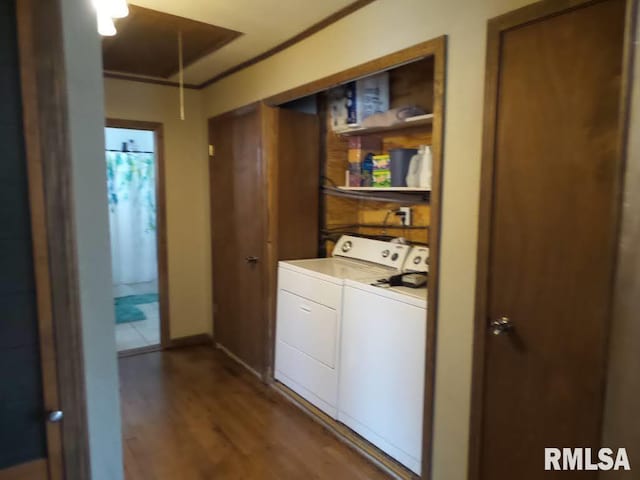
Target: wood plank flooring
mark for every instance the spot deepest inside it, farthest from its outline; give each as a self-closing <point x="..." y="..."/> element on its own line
<point x="194" y="414"/>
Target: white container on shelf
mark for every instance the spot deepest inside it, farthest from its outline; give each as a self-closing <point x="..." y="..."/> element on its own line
<point x="420" y="169"/>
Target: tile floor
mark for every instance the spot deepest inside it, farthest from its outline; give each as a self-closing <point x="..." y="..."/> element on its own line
<point x="142" y="333"/>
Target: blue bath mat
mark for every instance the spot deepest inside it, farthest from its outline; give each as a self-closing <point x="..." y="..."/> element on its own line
<point x="126" y="310"/>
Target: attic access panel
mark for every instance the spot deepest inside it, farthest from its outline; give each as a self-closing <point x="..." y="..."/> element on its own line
<point x="147" y="42"/>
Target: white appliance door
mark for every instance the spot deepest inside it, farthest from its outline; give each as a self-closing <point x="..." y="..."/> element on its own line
<point x="307" y="339"/>
<point x="381" y="386"/>
<point x="308" y="327"/>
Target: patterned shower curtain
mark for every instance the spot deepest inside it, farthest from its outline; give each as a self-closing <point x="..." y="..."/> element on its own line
<point x="132" y="216"/>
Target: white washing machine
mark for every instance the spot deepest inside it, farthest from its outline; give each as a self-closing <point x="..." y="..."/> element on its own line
<point x="382" y="365"/>
<point x="309" y="313"/>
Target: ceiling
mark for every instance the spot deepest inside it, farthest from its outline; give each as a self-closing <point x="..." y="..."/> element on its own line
<point x="147" y="43"/>
<point x="264" y="24"/>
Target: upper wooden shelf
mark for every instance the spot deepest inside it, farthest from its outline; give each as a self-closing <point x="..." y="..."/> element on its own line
<point x="420" y="121"/>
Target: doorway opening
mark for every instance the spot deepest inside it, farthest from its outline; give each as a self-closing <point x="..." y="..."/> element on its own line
<point x="133" y="162"/>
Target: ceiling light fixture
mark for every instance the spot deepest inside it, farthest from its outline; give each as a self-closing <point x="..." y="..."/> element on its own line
<point x="113" y="8"/>
<point x="106" y="27"/>
<point x="106" y="11"/>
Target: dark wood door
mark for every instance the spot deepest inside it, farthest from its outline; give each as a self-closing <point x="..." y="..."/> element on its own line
<point x="551" y="186"/>
<point x="238" y="235"/>
<point x="297" y="183"/>
<point x="30" y="447"/>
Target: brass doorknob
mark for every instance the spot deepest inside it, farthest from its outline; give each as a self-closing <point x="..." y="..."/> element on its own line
<point x="501" y="325"/>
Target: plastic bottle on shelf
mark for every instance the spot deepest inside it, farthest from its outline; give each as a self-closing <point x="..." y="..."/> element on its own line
<point x="426" y="167"/>
<point x="419" y="173"/>
<point x="413" y="172"/>
<point x="367" y="170"/>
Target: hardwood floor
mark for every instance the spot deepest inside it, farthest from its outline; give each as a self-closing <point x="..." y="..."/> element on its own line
<point x="194" y="414"/>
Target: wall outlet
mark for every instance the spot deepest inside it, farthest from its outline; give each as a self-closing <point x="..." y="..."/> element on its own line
<point x="405" y="216"/>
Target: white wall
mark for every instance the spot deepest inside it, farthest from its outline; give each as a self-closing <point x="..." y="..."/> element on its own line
<point x="623" y="381"/>
<point x="380" y="28"/>
<point x="86" y="120"/>
<point x="187" y="194"/>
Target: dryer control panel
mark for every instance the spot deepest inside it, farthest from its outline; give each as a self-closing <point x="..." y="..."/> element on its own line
<point x="375" y="251"/>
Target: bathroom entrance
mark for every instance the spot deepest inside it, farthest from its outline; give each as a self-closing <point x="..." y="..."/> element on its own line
<point x="133" y="157"/>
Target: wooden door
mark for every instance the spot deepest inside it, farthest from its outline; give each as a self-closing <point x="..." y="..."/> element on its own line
<point x="552" y="171"/>
<point x="30" y="447"/>
<point x="238" y="235"/>
<point x="297" y="184"/>
<point x="292" y="153"/>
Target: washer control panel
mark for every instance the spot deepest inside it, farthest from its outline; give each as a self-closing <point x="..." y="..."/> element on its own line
<point x="417" y="260"/>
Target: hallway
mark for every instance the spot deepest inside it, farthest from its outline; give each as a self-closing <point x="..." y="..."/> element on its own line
<point x="195" y="414"/>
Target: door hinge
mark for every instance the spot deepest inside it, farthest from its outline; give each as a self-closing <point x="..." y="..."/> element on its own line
<point x="212" y="150"/>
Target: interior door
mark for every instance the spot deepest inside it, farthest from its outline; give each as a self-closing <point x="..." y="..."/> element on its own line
<point x="552" y="190"/>
<point x="30" y="446"/>
<point x="298" y="183"/>
<point x="238" y="235"/>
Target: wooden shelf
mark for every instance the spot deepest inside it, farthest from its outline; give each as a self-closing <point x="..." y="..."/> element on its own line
<point x="420" y="121"/>
<point x="386" y="189"/>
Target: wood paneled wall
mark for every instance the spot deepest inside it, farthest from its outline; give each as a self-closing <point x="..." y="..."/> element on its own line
<point x="412" y="84"/>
